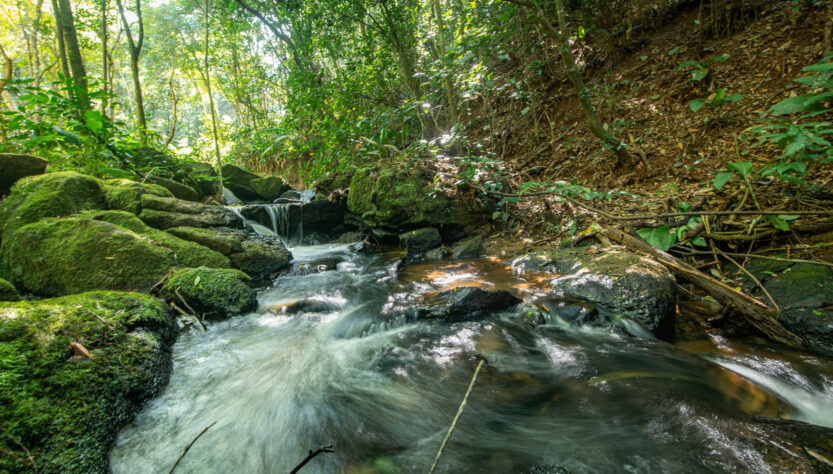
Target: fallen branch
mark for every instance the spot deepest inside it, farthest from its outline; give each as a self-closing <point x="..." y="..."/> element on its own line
<point x="763" y="257"/>
<point x="312" y="454"/>
<point x="756" y="312"/>
<point x="457" y="416"/>
<point x="775" y="307"/>
<point x="184" y="451"/>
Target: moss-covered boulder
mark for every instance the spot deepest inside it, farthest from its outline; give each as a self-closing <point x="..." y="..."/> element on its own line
<point x="420" y="240"/>
<point x="66" y="408"/>
<point x="223" y="240"/>
<point x="269" y="188"/>
<point x="97" y="250"/>
<point x="186" y="253"/>
<point x="239" y="181"/>
<point x="178" y="190"/>
<point x="49" y="195"/>
<point x="126" y="195"/>
<point x="261" y="259"/>
<point x="15" y="166"/>
<point x="8" y="291"/>
<point x="212" y="292"/>
<point x="400" y="197"/>
<point x="166" y="212"/>
<point x="469" y="248"/>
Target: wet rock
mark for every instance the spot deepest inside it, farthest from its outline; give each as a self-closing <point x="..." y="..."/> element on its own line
<point x="433" y="255"/>
<point x="469" y="248"/>
<point x="165" y="212"/>
<point x="420" y="240"/>
<point x="316" y="266"/>
<point x="179" y="190"/>
<point x="291" y="195"/>
<point x="348" y="238"/>
<point x="269" y="188"/>
<point x="49" y="195"/>
<point x="217" y="293"/>
<point x="8" y="291"/>
<point x="624" y="286"/>
<point x="239" y="181"/>
<point x="463" y="304"/>
<point x="365" y="247"/>
<point x="307" y="306"/>
<point x="16" y="166"/>
<point x="315" y="238"/>
<point x="293" y="218"/>
<point x="260" y="260"/>
<point x="67" y="409"/>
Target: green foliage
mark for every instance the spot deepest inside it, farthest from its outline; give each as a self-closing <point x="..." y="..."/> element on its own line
<point x="700" y="69"/>
<point x="716" y="101"/>
<point x="665" y="236"/>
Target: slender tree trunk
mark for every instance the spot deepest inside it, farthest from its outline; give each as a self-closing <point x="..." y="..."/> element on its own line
<point x="450" y="93"/>
<point x="827" y="44"/>
<point x="174" y="101"/>
<point x="574" y="75"/>
<point x="135" y="52"/>
<point x="76" y="61"/>
<point x="35" y="40"/>
<point x="104" y="67"/>
<point x="59" y="36"/>
<point x="213" y="111"/>
<point x="8" y="69"/>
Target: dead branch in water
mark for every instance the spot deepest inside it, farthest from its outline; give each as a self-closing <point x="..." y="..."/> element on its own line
<point x="184" y="451"/>
<point x="312" y="454"/>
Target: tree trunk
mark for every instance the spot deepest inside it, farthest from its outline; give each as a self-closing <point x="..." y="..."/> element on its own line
<point x="35" y="46"/>
<point x="174" y="101"/>
<point x="104" y="71"/>
<point x="59" y="35"/>
<point x="76" y="61"/>
<point x="574" y="75"/>
<point x="135" y="48"/>
<point x="450" y="93"/>
<point x="8" y="69"/>
<point x="213" y="112"/>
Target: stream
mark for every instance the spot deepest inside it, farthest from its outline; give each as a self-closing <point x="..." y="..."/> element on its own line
<point x="384" y="388"/>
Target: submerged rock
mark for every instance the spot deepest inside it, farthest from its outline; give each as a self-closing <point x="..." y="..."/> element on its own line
<point x="64" y="407"/>
<point x="306" y="306"/>
<point x="8" y="291"/>
<point x="214" y="292"/>
<point x="15" y="166"/>
<point x="622" y="285"/>
<point x="420" y="240"/>
<point x="469" y="303"/>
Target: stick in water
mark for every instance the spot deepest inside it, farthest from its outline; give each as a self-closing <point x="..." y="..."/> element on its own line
<point x="312" y="454"/>
<point x="189" y="446"/>
<point x="456" y="417"/>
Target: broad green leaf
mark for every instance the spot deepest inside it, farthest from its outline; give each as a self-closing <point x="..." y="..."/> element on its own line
<point x="95" y="122"/>
<point x="778" y="223"/>
<point x="819" y="67"/>
<point x="744" y="169"/>
<point x="71" y="137"/>
<point x="197" y="280"/>
<point x="697" y="104"/>
<point x="800" y="103"/>
<point x="659" y="237"/>
<point x="699" y="74"/>
<point x="734" y="98"/>
<point x="721" y="179"/>
<point x="700" y="242"/>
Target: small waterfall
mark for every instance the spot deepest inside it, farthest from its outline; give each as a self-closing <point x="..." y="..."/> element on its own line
<point x="279" y="216"/>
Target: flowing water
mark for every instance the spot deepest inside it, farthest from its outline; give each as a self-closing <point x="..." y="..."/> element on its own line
<point x="384" y="388"/>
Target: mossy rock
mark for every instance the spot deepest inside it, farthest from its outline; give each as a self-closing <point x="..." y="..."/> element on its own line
<point x="67" y="409"/>
<point x="186" y="253"/>
<point x="260" y="260"/>
<point x="7" y="291"/>
<point x="469" y="248"/>
<point x="126" y="195"/>
<point x="238" y="181"/>
<point x="269" y="188"/>
<point x="179" y="190"/>
<point x="225" y="241"/>
<point x="15" y="166"/>
<point x="213" y="292"/>
<point x="400" y="197"/>
<point x="420" y="240"/>
<point x="49" y="195"/>
<point x="166" y="212"/>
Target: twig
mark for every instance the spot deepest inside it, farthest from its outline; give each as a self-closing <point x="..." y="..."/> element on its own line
<point x="187" y="306"/>
<point x="189" y="446"/>
<point x="763" y="257"/>
<point x="184" y="313"/>
<point x="31" y="460"/>
<point x="109" y="326"/>
<point x="457" y="416"/>
<point x="755" y="279"/>
<point x="312" y="454"/>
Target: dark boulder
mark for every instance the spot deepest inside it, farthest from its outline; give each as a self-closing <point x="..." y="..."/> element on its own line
<point x="469" y="248"/>
<point x="622" y="285"/>
<point x="420" y="240"/>
<point x="269" y="188"/>
<point x="469" y="303"/>
<point x="179" y="190"/>
<point x="306" y="306"/>
<point x="260" y="260"/>
<point x="15" y="166"/>
<point x="239" y="181"/>
<point x="297" y="220"/>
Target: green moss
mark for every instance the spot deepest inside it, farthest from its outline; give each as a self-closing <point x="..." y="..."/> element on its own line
<point x="71" y="255"/>
<point x="360" y="197"/>
<point x="49" y="195"/>
<point x="7" y="291"/>
<point x="209" y="290"/>
<point x="65" y="409"/>
<point x="126" y="195"/>
<point x="225" y="242"/>
<point x="186" y="254"/>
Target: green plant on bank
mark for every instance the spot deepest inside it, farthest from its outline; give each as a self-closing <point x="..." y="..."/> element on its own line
<point x="664" y="237"/>
<point x="806" y="139"/>
<point x="743" y="171"/>
<point x="717" y="101"/>
<point x="700" y="69"/>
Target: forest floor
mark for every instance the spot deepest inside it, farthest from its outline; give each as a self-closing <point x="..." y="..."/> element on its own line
<point x="644" y="98"/>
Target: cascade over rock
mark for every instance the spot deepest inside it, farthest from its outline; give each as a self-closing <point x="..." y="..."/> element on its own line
<point x="15" y="166"/>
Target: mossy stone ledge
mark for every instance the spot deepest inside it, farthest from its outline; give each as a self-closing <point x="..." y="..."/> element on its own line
<point x="217" y="293"/>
